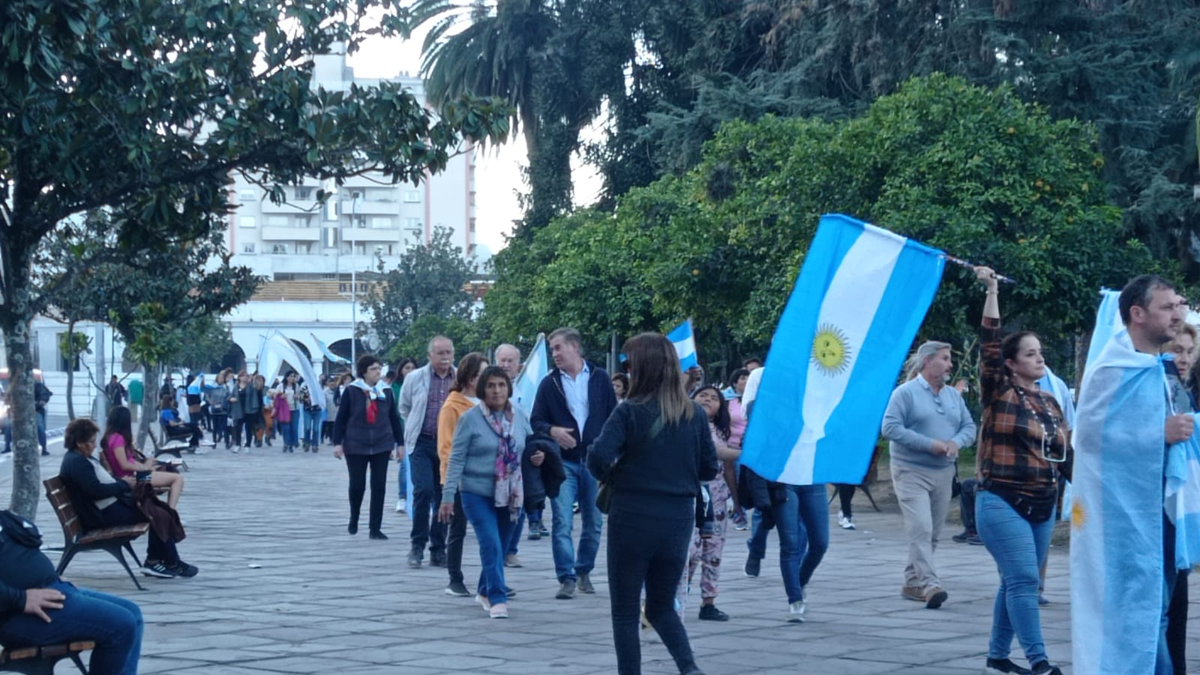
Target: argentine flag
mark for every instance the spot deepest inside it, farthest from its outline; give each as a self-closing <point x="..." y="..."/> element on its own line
<point x="1108" y="324"/>
<point x="1183" y="499"/>
<point x="685" y="344"/>
<point x="536" y="367"/>
<point x="854" y="311"/>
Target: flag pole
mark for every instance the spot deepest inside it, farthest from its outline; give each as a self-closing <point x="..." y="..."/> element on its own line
<point x="971" y="266"/>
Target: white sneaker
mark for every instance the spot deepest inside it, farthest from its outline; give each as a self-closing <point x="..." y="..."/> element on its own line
<point x="401" y="505"/>
<point x="796" y="611"/>
<point x="846" y="523"/>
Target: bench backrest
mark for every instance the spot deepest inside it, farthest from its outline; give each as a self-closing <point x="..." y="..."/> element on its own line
<point x="60" y="500"/>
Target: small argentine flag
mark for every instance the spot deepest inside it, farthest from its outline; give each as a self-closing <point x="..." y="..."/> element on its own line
<point x="685" y="344"/>
<point x="536" y="367"/>
<point x="854" y="311"/>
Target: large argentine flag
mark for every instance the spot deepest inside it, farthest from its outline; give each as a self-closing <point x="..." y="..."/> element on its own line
<point x="1108" y="324"/>
<point x="1183" y="499"/>
<point x="1117" y="513"/>
<point x="856" y="306"/>
<point x="536" y="367"/>
<point x="685" y="344"/>
<point x="277" y="349"/>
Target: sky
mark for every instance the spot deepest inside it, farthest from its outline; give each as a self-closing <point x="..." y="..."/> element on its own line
<point x="497" y="174"/>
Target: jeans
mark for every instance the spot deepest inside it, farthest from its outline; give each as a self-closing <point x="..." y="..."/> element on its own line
<point x="518" y="529"/>
<point x="427" y="491"/>
<point x="493" y="526"/>
<point x="803" y="524"/>
<point x="761" y="524"/>
<point x="924" y="496"/>
<point x="41" y="427"/>
<point x="220" y="428"/>
<point x="966" y="501"/>
<point x="402" y="476"/>
<point x="1171" y="577"/>
<point x="455" y="533"/>
<point x="312" y="427"/>
<point x="157" y="549"/>
<point x="113" y="623"/>
<point x="1018" y="547"/>
<point x="290" y="431"/>
<point x="648" y="552"/>
<point x="357" y="466"/>
<point x="579" y="486"/>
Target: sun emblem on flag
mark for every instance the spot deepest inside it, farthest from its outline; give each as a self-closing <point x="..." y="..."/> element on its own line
<point x="831" y="350"/>
<point x="1078" y="514"/>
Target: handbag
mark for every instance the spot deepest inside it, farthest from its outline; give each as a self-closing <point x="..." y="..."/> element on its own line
<point x="604" y="495"/>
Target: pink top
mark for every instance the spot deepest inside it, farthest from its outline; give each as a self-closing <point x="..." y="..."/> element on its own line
<point x="737" y="423"/>
<point x="116" y="442"/>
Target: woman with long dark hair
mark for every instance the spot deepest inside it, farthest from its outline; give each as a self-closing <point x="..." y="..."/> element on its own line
<point x="405" y="367"/>
<point x="366" y="432"/>
<point x="460" y="400"/>
<point x="652" y="454"/>
<point x="287" y="411"/>
<point x="124" y="460"/>
<point x="1023" y="445"/>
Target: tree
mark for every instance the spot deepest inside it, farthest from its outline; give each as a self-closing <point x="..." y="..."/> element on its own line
<point x="207" y="340"/>
<point x="72" y="345"/>
<point x="145" y="109"/>
<point x="428" y="281"/>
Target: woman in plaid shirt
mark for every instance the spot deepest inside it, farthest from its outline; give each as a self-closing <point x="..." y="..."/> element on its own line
<point x="1023" y="443"/>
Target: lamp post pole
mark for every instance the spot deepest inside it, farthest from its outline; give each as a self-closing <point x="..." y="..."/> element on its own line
<point x="353" y="283"/>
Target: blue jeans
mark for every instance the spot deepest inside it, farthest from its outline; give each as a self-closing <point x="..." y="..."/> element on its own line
<point x="803" y="523"/>
<point x="493" y="527"/>
<point x="290" y="431"/>
<point x="1018" y="546"/>
<point x="114" y="624"/>
<point x="427" y="492"/>
<point x="518" y="529"/>
<point x="580" y="486"/>
<point x="402" y="475"/>
<point x="1163" y="664"/>
<point x="761" y="523"/>
<point x="312" y="427"/>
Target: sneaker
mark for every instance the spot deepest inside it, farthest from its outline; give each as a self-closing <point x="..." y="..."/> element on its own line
<point x="510" y="593"/>
<point x="846" y="523"/>
<point x="401" y="505"/>
<point x="458" y="589"/>
<point x="185" y="570"/>
<point x="753" y="565"/>
<point x="796" y="612"/>
<point x="574" y="505"/>
<point x="376" y="534"/>
<point x="1004" y="667"/>
<point x="234" y="449"/>
<point x="975" y="540"/>
<point x="535" y="533"/>
<point x="585" y="584"/>
<point x="499" y="611"/>
<point x="963" y="536"/>
<point x="545" y="532"/>
<point x="352" y="528"/>
<point x="483" y="602"/>
<point x="159" y="570"/>
<point x="935" y="597"/>
<point x="511" y="560"/>
<point x="711" y="613"/>
<point x="46" y="453"/>
<point x="437" y="560"/>
<point x="912" y="593"/>
<point x="415" y="556"/>
<point x="1044" y="668"/>
<point x="1042" y="601"/>
<point x="566" y="591"/>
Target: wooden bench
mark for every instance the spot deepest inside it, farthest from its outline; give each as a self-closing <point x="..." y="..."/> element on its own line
<point x="111" y="539"/>
<point x="41" y="660"/>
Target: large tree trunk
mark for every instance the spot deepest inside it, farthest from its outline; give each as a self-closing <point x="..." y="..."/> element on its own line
<point x="27" y="479"/>
<point x="149" y="404"/>
<point x="70" y="370"/>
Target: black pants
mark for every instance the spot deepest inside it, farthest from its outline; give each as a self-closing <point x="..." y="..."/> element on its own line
<point x="185" y="429"/>
<point x="966" y="500"/>
<point x="220" y="427"/>
<point x="454" y="540"/>
<point x="357" y="466"/>
<point x="424" y="467"/>
<point x="1177" y="615"/>
<point x="846" y="496"/>
<point x="327" y="431"/>
<point x="120" y="513"/>
<point x="251" y="423"/>
<point x="650" y="552"/>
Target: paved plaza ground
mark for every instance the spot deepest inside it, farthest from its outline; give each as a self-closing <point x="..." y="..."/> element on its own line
<point x="284" y="589"/>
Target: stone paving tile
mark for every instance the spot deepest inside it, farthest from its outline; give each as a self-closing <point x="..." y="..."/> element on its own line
<point x="284" y="589"/>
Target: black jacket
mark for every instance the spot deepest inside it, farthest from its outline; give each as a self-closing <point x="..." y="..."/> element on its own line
<point x="542" y="482"/>
<point x="85" y="489"/>
<point x="550" y="409"/>
<point x="22" y="563"/>
<point x="358" y="437"/>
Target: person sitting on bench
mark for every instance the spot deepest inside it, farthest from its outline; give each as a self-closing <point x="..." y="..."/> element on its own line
<point x="103" y="501"/>
<point x="124" y="460"/>
<point x="37" y="608"/>
<point x="173" y="427"/>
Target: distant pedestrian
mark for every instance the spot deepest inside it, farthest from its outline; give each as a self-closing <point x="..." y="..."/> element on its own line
<point x="237" y="409"/>
<point x="367" y="432"/>
<point x="926" y="422"/>
<point x="405" y="368"/>
<point x="508" y="358"/>
<point x="115" y="391"/>
<point x="287" y="410"/>
<point x="653" y="452"/>
<point x="620" y="386"/>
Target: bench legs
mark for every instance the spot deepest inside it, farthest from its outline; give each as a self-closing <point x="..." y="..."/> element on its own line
<point x="114" y="549"/>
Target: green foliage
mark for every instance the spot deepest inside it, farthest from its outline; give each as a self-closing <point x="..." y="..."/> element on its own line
<point x="205" y="341"/>
<point x="73" y="344"/>
<point x="428" y="282"/>
<point x="154" y="339"/>
<point x="974" y="171"/>
<point x="467" y="336"/>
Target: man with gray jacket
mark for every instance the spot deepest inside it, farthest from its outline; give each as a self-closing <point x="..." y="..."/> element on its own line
<point x="421" y="398"/>
<point x="926" y="423"/>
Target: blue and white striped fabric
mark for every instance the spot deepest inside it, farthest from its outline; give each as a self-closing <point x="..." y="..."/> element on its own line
<point x="1108" y="324"/>
<point x="685" y="344"/>
<point x="1116" y="512"/>
<point x="856" y="306"/>
<point x="1062" y="393"/>
<point x="324" y="348"/>
<point x="535" y="369"/>
<point x="1183" y="499"/>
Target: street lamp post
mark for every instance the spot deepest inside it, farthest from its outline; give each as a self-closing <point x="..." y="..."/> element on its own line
<point x="353" y="282"/>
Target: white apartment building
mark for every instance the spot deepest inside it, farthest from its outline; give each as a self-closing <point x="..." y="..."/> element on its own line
<point x="300" y="240"/>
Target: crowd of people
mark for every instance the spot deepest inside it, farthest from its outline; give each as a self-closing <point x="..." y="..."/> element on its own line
<point x="652" y="440"/>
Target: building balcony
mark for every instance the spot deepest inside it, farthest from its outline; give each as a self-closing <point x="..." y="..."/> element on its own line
<point x="369" y="234"/>
<point x="371" y="208"/>
<point x="291" y="234"/>
<point x="297" y="207"/>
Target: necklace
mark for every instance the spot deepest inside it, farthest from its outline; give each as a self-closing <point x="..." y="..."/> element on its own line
<point x="1047" y="421"/>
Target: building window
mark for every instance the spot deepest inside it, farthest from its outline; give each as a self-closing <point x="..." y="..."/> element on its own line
<point x="471" y="226"/>
<point x="303" y="194"/>
<point x="247" y="195"/>
<point x="248" y="249"/>
<point x="279" y="248"/>
<point x="329" y="236"/>
<point x="412" y="224"/>
<point x="381" y="223"/>
<point x="412" y="197"/>
<point x="249" y="221"/>
<point x="277" y="221"/>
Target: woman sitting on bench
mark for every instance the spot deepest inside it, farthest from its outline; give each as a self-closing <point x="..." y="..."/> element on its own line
<point x="173" y="427"/>
<point x="103" y="501"/>
<point x="125" y="461"/>
<point x="39" y="609"/>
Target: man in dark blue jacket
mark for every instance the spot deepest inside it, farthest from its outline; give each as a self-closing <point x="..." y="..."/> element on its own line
<point x="572" y="404"/>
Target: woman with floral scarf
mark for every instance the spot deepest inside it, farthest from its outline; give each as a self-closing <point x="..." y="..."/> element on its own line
<point x="485" y="470"/>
